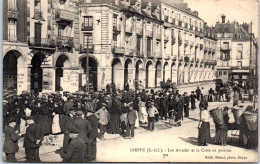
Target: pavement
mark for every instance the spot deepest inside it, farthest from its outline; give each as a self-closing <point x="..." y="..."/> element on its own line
<point x="167" y="143"/>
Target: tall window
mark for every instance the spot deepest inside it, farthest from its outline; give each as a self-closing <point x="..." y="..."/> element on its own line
<point x="149" y="46"/>
<point x="138" y="44"/>
<point x="88" y="41"/>
<point x="12" y="30"/>
<point x="88" y="21"/>
<point x="239" y="63"/>
<point x="239" y="55"/>
<point x="114" y="40"/>
<point x="114" y="20"/>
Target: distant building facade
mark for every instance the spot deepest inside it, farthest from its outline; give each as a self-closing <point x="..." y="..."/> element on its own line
<point x="238" y="52"/>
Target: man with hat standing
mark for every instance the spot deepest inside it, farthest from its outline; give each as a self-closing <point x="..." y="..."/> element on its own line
<point x="193" y="100"/>
<point x="102" y="114"/>
<point x="68" y="105"/>
<point x="76" y="150"/>
<point x="92" y="141"/>
<point x="69" y="127"/>
<point x="83" y="127"/>
<point x="11" y="141"/>
<point x="186" y="104"/>
<point x="131" y="118"/>
<point x="32" y="140"/>
<point x="152" y="111"/>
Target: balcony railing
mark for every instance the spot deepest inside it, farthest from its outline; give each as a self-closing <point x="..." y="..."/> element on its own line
<point x="87" y="27"/>
<point x="84" y="49"/>
<point x="64" y="15"/>
<point x="117" y="28"/>
<point x="225" y="48"/>
<point x="149" y="53"/>
<point x="65" y="41"/>
<point x="139" y="31"/>
<point x="38" y="15"/>
<point x="43" y="42"/>
<point x="129" y="29"/>
<point x="118" y="50"/>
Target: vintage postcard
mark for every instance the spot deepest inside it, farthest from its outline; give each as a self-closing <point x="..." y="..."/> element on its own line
<point x="130" y="81"/>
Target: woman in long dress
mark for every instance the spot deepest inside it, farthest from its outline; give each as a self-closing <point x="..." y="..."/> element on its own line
<point x="57" y="111"/>
<point x="204" y="128"/>
<point x="142" y="114"/>
<point x="115" y="111"/>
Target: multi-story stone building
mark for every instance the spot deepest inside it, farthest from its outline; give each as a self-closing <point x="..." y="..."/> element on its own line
<point x="135" y="42"/>
<point x="238" y="52"/>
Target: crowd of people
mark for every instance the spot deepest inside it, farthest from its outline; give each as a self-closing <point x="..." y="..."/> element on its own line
<point x="85" y="116"/>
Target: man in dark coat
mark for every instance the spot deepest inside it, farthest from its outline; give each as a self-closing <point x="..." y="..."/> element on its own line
<point x="68" y="105"/>
<point x="193" y="100"/>
<point x="179" y="109"/>
<point x="69" y="127"/>
<point x="92" y="138"/>
<point x="32" y="140"/>
<point x="76" y="149"/>
<point x="83" y="127"/>
<point x="165" y="105"/>
<point x="186" y="104"/>
<point x="198" y="92"/>
<point x="11" y="141"/>
<point x="131" y="117"/>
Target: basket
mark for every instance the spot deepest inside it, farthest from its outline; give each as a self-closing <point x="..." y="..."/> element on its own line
<point x="217" y="116"/>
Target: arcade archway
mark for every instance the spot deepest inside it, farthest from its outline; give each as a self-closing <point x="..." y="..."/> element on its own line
<point x="92" y="73"/>
<point x="128" y="73"/>
<point x="158" y="71"/>
<point x="149" y="74"/>
<point x="61" y="64"/>
<point x="117" y="72"/>
<point x="36" y="72"/>
<point x="10" y="70"/>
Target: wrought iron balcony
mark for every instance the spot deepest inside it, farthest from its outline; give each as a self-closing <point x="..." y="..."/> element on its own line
<point x="84" y="49"/>
<point x="64" y="15"/>
<point x="65" y="41"/>
<point x="117" y="28"/>
<point x="87" y="27"/>
<point x="12" y="12"/>
<point x="41" y="43"/>
<point x="118" y="50"/>
<point x="225" y="48"/>
<point x="139" y="31"/>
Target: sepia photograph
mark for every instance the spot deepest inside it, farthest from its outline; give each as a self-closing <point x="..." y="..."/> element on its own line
<point x="130" y="81"/>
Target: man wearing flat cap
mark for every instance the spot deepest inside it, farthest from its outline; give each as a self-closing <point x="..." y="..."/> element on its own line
<point x="102" y="114"/>
<point x="11" y="141"/>
<point x="32" y="140"/>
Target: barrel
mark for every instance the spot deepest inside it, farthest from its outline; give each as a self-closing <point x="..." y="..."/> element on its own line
<point x="251" y="120"/>
<point x="217" y="116"/>
<point x="237" y="112"/>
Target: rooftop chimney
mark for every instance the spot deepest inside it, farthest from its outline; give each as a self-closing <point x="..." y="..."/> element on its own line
<point x="223" y="18"/>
